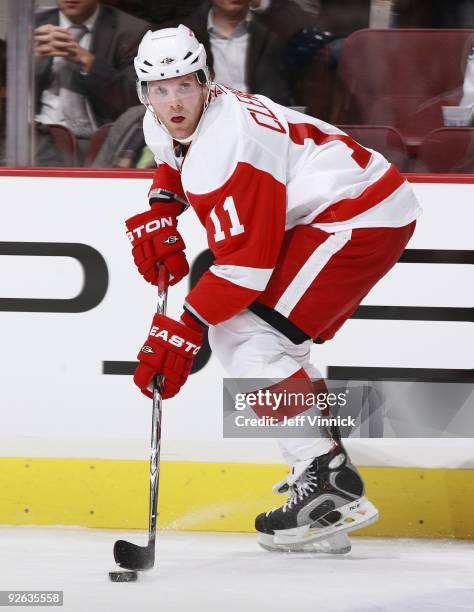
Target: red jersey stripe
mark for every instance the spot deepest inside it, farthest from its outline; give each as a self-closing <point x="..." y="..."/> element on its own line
<point x="373" y="195"/>
<point x="299" y="132"/>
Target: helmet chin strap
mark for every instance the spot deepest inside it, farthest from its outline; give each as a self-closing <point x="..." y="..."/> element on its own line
<point x="188" y="139"/>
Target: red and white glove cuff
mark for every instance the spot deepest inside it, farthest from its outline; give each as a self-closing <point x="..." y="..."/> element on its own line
<point x="191" y="321"/>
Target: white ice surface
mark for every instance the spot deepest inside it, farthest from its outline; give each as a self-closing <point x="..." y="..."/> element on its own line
<point x="219" y="572"/>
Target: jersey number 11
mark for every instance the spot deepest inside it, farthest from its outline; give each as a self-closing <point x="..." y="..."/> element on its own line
<point x="236" y="227"/>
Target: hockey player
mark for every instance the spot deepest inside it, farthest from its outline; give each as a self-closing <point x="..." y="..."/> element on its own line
<point x="302" y="221"/>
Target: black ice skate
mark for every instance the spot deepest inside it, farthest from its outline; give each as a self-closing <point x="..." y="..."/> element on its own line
<point x="325" y="501"/>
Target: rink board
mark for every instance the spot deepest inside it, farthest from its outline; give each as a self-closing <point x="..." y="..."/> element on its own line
<point x="413" y="502"/>
<point x="71" y="296"/>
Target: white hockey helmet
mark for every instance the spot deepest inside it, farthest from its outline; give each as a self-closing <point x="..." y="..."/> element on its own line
<point x="168" y="53"/>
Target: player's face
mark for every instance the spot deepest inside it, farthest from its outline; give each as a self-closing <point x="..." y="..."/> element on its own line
<point x="178" y="103"/>
<point x="78" y="10"/>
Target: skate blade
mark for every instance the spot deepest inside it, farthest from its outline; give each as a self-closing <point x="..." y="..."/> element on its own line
<point x="355" y="515"/>
<point x="338" y="544"/>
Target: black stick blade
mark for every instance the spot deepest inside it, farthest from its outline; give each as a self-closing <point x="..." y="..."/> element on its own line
<point x="133" y="557"/>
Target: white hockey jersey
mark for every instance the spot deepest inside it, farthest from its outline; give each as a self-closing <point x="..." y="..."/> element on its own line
<point x="256" y="169"/>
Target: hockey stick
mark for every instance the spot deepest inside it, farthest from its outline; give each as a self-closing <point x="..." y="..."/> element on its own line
<point x="126" y="554"/>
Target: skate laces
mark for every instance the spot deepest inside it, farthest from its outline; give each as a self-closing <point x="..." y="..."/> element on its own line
<point x="299" y="468"/>
<point x="306" y="484"/>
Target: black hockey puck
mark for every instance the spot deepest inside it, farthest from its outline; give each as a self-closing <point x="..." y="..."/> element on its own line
<point x="127" y="576"/>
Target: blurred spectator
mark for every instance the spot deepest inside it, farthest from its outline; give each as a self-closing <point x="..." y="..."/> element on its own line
<point x="432" y="14"/>
<point x="337" y="17"/>
<point x="3" y="94"/>
<point x="307" y="57"/>
<point x="242" y="52"/>
<point x="125" y="142"/>
<point x="468" y="84"/>
<point x="286" y="17"/>
<point x="313" y="32"/>
<point x="342" y="17"/>
<point x="84" y="70"/>
<point x="161" y="13"/>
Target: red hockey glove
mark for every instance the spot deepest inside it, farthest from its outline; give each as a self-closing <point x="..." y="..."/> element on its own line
<point x="155" y="238"/>
<point x="169" y="350"/>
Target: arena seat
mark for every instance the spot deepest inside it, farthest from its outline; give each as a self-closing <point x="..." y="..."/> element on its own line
<point x="449" y="149"/>
<point x="385" y="139"/>
<point x="400" y="78"/>
<point x="65" y="141"/>
<point x="95" y="143"/>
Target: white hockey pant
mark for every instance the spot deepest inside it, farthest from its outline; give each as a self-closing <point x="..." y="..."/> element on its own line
<point x="248" y="347"/>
